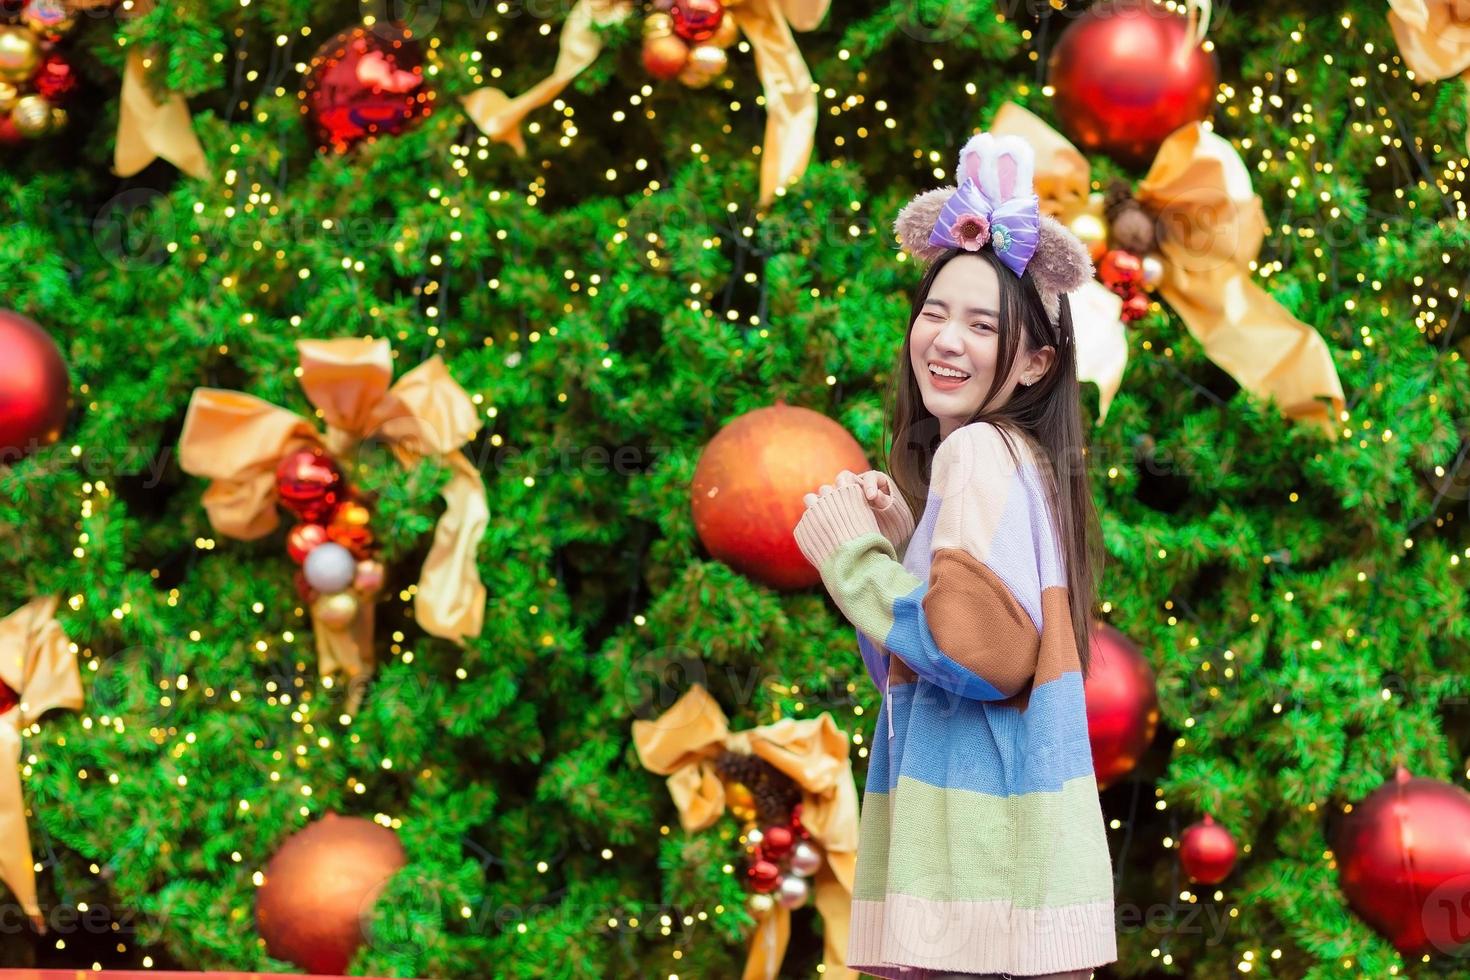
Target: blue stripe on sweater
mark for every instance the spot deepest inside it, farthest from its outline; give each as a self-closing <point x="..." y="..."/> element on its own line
<point x="910" y="639"/>
<point x="958" y="743"/>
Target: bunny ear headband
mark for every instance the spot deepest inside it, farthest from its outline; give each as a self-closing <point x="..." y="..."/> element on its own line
<point x="994" y="205"/>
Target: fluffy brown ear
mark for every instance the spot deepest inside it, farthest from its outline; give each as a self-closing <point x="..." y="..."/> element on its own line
<point x="1061" y="263"/>
<point x="915" y="222"/>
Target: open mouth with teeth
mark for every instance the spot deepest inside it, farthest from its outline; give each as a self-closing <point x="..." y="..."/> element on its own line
<point x="947" y="373"/>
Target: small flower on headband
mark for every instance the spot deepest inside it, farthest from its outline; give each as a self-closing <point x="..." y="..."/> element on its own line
<point x="971" y="230"/>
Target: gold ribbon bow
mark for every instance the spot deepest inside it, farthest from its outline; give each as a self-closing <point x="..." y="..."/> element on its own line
<point x="237" y="440"/>
<point x="148" y="129"/>
<point x="1434" y="38"/>
<point x="791" y="105"/>
<point x="683" y="743"/>
<point x="1210" y="226"/>
<point x="38" y="663"/>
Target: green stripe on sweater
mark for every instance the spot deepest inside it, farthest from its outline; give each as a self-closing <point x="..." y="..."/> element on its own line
<point x="957" y="845"/>
<point x="865" y="579"/>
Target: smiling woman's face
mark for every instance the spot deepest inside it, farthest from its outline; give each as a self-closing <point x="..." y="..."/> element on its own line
<point x="955" y="342"/>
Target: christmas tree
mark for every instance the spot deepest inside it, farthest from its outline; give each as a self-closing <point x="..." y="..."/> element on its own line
<point x="607" y="301"/>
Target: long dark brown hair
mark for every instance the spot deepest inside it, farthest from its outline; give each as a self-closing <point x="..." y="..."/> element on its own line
<point x="1047" y="413"/>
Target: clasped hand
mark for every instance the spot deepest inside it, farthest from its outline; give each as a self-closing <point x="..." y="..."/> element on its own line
<point x="875" y="483"/>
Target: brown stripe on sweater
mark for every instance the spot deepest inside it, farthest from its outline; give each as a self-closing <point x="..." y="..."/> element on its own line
<point x="1058" y="642"/>
<point x="976" y="620"/>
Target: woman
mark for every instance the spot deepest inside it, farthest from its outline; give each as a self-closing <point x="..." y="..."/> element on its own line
<point x="982" y="850"/>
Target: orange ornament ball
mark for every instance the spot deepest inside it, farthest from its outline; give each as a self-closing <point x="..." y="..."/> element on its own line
<point x="748" y="486"/>
<point x="665" y="55"/>
<point x="1122" y="704"/>
<point x="320" y="887"/>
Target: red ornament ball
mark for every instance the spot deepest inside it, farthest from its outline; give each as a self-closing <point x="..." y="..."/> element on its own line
<point x="697" y="20"/>
<point x="664" y="56"/>
<point x="1122" y="704"/>
<point x="364" y="83"/>
<point x="763" y="875"/>
<point x="309" y="484"/>
<point x="777" y="842"/>
<point x="1135" y="306"/>
<point x="320" y="886"/>
<point x="9" y="698"/>
<point x="1126" y="75"/>
<point x="749" y="483"/>
<point x="34" y="388"/>
<point x="1403" y="857"/>
<point x="302" y="538"/>
<point x="1120" y="271"/>
<point x="1206" y="852"/>
<point x="54" y="79"/>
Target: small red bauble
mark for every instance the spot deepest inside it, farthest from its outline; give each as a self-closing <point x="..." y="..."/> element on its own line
<point x="777" y="842"/>
<point x="1120" y="271"/>
<point x="763" y="875"/>
<point x="1403" y="858"/>
<point x="54" y="79"/>
<point x="664" y="56"/>
<point x="750" y="484"/>
<point x="1206" y="852"/>
<point x="1135" y="306"/>
<point x="309" y="484"/>
<point x="697" y="20"/>
<point x="302" y="538"/>
<point x="1126" y="75"/>
<point x="364" y="83"/>
<point x="796" y="825"/>
<point x="1122" y="704"/>
<point x="34" y="388"/>
<point x="8" y="698"/>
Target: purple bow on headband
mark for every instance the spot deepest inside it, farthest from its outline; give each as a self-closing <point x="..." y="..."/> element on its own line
<point x="969" y="219"/>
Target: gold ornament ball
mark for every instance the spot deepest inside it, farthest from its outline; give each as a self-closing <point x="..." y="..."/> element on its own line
<point x="658" y="24"/>
<point x="1092" y="231"/>
<point x="335" y="610"/>
<point x="9" y="95"/>
<point x="58" y="118"/>
<point x="20" y="53"/>
<point x="706" y="63"/>
<point x="739" y="801"/>
<point x="31" y="116"/>
<point x="727" y="33"/>
<point x="760" y="904"/>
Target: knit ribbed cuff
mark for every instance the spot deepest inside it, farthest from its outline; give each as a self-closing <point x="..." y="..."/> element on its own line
<point x="832" y="521"/>
<point x="895" y="522"/>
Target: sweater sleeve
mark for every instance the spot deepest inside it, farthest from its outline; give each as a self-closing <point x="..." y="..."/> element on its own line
<point x="967" y="629"/>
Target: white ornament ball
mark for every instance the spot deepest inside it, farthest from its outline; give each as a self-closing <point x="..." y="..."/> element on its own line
<point x="806" y="860"/>
<point x="1153" y="271"/>
<point x="759" y="904"/>
<point x="329" y="567"/>
<point x="793" y="892"/>
<point x="753" y="839"/>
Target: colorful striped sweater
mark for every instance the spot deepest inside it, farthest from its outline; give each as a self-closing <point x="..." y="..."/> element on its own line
<point x="981" y="844"/>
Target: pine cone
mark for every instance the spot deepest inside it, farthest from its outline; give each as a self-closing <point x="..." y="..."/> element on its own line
<point x="774" y="792"/>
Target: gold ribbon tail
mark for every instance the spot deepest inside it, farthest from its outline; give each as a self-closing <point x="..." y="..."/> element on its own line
<point x="499" y="116"/>
<point x="16" y="868"/>
<point x="37" y="663"/>
<point x="768" y="945"/>
<point x="148" y="129"/>
<point x="791" y="105"/>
